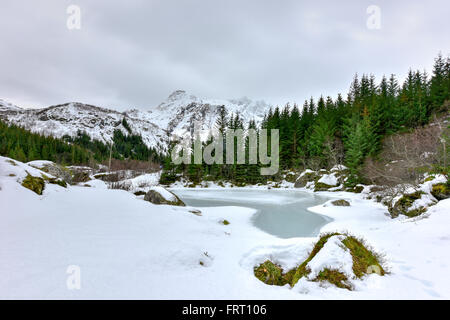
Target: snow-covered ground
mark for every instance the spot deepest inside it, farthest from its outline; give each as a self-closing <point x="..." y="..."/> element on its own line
<point x="129" y="248"/>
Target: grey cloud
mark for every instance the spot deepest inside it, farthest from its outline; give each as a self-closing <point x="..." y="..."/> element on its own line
<point x="135" y="53"/>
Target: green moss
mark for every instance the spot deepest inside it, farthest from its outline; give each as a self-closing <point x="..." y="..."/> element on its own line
<point x="408" y="199"/>
<point x="335" y="277"/>
<point x="429" y="178"/>
<point x="12" y="175"/>
<point x="363" y="261"/>
<point x="355" y="189"/>
<point x="362" y="256"/>
<point x="57" y="181"/>
<point x="319" y="186"/>
<point x="225" y="222"/>
<point x="441" y="191"/>
<point x="270" y="273"/>
<point x="140" y="193"/>
<point x="36" y="184"/>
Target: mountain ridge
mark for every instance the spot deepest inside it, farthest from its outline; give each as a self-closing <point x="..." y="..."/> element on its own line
<point x="176" y="115"/>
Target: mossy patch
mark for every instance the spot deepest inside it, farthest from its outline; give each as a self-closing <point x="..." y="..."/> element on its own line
<point x="355" y="189"/>
<point x="140" y="193"/>
<point x="364" y="261"/>
<point x="441" y="191"/>
<point x="319" y="186"/>
<point x="11" y="175"/>
<point x="225" y="222"/>
<point x="35" y="184"/>
<point x="362" y="257"/>
<point x="270" y="274"/>
<point x="404" y="203"/>
<point x="335" y="277"/>
<point x="58" y="182"/>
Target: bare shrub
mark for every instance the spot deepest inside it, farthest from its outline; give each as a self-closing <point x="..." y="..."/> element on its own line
<point x="406" y="156"/>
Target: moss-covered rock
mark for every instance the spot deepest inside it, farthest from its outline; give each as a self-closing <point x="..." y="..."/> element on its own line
<point x="355" y="189"/>
<point x="57" y="181"/>
<point x="363" y="258"/>
<point x="56" y="170"/>
<point x="404" y="204"/>
<point x="340" y="203"/>
<point x="35" y="184"/>
<point x="441" y="191"/>
<point x="320" y="186"/>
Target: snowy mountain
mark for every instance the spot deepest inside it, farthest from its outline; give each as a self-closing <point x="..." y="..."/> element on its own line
<point x="176" y="115"/>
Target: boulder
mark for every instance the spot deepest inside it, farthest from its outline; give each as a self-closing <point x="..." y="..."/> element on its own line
<point x="404" y="205"/>
<point x="160" y="195"/>
<point x="53" y="169"/>
<point x="441" y="191"/>
<point x="305" y="177"/>
<point x="340" y="203"/>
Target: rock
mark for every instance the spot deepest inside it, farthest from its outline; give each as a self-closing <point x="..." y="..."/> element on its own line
<point x="357" y="260"/>
<point x="54" y="169"/>
<point x="305" y="177"/>
<point x="319" y="186"/>
<point x="355" y="189"/>
<point x="340" y="203"/>
<point x="441" y="191"/>
<point x="404" y="204"/>
<point x="81" y="176"/>
<point x="159" y="195"/>
<point x="196" y="212"/>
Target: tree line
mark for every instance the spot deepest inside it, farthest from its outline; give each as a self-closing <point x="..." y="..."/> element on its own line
<point x="24" y="145"/>
<point x="327" y="131"/>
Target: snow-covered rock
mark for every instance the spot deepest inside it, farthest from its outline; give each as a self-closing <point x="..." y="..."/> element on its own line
<point x="160" y="195"/>
<point x="329" y="179"/>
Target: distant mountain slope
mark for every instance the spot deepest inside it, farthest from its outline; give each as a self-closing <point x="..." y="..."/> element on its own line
<point x="176" y="115"/>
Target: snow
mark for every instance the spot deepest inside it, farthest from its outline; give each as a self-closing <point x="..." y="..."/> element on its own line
<point x="40" y="163"/>
<point x="142" y="182"/>
<point x="329" y="179"/>
<point x="177" y="114"/>
<point x="131" y="249"/>
<point x="305" y="172"/>
<point x="338" y="167"/>
<point x="334" y="255"/>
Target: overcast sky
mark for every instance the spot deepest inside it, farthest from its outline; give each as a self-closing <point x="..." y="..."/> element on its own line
<point x="134" y="53"/>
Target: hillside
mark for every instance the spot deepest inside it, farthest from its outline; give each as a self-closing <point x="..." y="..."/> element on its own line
<point x="176" y="115"/>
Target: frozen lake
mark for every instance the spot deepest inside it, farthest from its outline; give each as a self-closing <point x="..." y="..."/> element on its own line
<point x="282" y="213"/>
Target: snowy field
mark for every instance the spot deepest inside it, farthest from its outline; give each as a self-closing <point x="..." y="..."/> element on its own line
<point x="127" y="248"/>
